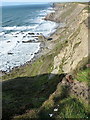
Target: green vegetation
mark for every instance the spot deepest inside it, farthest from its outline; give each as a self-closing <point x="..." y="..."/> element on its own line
<point x="41" y="66"/>
<point x="24" y="93"/>
<point x="88" y="8"/>
<point x="71" y="108"/>
<point x="83" y="75"/>
<point x="67" y="107"/>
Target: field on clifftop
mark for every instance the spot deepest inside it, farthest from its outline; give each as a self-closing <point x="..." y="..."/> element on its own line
<point x="40" y="90"/>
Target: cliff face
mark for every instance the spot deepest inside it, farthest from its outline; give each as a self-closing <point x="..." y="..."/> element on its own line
<point x="64" y="12"/>
<point x="75" y="53"/>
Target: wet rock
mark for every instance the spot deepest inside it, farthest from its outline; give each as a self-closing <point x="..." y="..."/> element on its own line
<point x="31" y="33"/>
<point x="27" y="41"/>
<point x="38" y="34"/>
<point x="18" y="41"/>
<point x="10" y="53"/>
<point x="8" y="41"/>
<point x="24" y="36"/>
<point x="35" y="53"/>
<point x="36" y="38"/>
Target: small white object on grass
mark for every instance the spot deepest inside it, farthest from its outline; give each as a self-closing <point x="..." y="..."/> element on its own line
<point x="50" y="115"/>
<point x="56" y="109"/>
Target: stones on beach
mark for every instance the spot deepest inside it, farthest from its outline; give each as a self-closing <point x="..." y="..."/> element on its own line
<point x="27" y="41"/>
<point x="18" y="41"/>
<point x="24" y="36"/>
<point x="8" y="41"/>
<point x="31" y="33"/>
<point x="10" y="53"/>
<point x="38" y="33"/>
<point x="35" y="37"/>
<point x="15" y="36"/>
<point x="35" y="53"/>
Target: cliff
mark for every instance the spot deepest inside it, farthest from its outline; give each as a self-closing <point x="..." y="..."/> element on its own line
<point x="40" y="90"/>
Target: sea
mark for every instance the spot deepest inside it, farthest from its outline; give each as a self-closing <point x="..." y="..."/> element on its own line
<point x="23" y="23"/>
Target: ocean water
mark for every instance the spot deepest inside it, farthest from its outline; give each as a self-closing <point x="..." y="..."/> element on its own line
<point x="17" y="24"/>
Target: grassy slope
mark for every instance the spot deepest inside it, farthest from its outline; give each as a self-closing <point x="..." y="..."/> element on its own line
<point x="68" y="106"/>
<point x="28" y="88"/>
<point x="25" y="93"/>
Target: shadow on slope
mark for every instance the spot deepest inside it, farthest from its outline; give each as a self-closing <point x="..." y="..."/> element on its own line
<point x="24" y="93"/>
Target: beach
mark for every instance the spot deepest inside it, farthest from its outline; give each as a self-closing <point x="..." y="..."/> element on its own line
<point x="20" y="45"/>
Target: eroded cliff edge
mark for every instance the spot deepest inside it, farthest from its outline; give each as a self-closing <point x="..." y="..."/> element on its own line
<point x="75" y="52"/>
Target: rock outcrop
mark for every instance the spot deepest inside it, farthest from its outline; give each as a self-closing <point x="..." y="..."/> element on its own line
<point x="75" y="52"/>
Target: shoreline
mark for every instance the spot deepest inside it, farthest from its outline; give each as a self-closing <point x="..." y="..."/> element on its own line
<point x="36" y="56"/>
<point x="40" y="52"/>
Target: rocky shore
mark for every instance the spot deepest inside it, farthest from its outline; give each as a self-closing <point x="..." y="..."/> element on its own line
<point x="67" y="16"/>
<point x="45" y="47"/>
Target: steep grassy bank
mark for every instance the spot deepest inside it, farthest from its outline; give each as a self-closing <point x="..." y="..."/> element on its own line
<point x="67" y="105"/>
<point x="36" y="90"/>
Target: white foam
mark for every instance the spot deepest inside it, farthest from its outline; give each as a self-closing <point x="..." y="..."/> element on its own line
<point x="20" y="55"/>
<point x="2" y="33"/>
<point x="47" y="27"/>
<point x="19" y="28"/>
<point x="6" y="46"/>
<point x="13" y="52"/>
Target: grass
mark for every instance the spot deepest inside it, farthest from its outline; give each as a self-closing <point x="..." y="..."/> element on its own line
<point x="71" y="108"/>
<point x="88" y="8"/>
<point x="41" y="66"/>
<point x="24" y="93"/>
<point x="83" y="75"/>
<point x="68" y="107"/>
